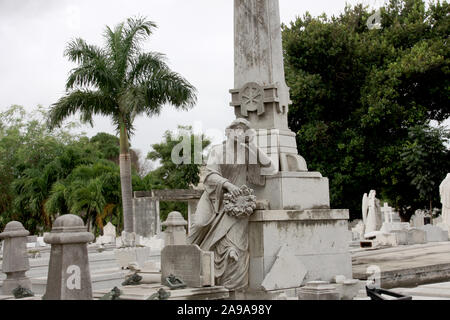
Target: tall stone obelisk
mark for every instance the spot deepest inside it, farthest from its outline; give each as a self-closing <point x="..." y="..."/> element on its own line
<point x="261" y="93"/>
<point x="262" y="97"/>
<point x="298" y="238"/>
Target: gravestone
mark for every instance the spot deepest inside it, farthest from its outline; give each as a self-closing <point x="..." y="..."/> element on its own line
<point x="127" y="256"/>
<point x="175" y="233"/>
<point x="434" y="233"/>
<point x="387" y="213"/>
<point x="15" y="258"/>
<point x="69" y="276"/>
<point x="402" y="237"/>
<point x="192" y="265"/>
<point x="146" y="217"/>
<point x="109" y="234"/>
<point x="416" y="236"/>
<point x="418" y="219"/>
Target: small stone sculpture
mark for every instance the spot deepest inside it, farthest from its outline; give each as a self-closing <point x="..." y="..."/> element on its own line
<point x="175" y="282"/>
<point x="160" y="295"/>
<point x="132" y="280"/>
<point x="114" y="294"/>
<point x="242" y="205"/>
<point x="21" y="292"/>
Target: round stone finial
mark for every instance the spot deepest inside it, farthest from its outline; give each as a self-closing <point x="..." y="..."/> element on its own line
<point x="69" y="228"/>
<point x="174" y="219"/>
<point x="14" y="229"/>
<point x="68" y="223"/>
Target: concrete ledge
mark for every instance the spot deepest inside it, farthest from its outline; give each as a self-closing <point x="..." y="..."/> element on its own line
<point x="411" y="277"/>
<point x="299" y="215"/>
<point x="145" y="291"/>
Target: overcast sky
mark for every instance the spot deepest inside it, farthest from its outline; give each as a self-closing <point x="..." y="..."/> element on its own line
<point x="196" y="36"/>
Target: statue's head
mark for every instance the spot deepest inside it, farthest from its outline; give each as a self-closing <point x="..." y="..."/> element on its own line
<point x="240" y="130"/>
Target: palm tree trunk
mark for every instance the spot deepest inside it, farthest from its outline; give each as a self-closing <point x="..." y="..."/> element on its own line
<point x="125" y="181"/>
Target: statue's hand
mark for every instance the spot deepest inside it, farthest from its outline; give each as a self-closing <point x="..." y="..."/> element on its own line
<point x="234" y="190"/>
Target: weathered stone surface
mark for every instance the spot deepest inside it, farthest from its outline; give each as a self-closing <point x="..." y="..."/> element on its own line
<point x="261" y="94"/>
<point x="418" y="219"/>
<point x="349" y="288"/>
<point x="416" y="236"/>
<point x="394" y="226"/>
<point x="15" y="258"/>
<point x="318" y="238"/>
<point x="69" y="276"/>
<point x="318" y="290"/>
<point x="109" y="235"/>
<point x="287" y="271"/>
<point x="295" y="191"/>
<point x="444" y="192"/>
<point x="126" y="256"/>
<point x="402" y="237"/>
<point x="175" y="233"/>
<point x="405" y="265"/>
<point x="192" y="265"/>
<point x="145" y="291"/>
<point x="371" y="213"/>
<point x="434" y="233"/>
<point x="146" y="217"/>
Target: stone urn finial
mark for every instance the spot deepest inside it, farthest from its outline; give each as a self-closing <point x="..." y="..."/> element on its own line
<point x="69" y="277"/>
<point x="175" y="233"/>
<point x="15" y="257"/>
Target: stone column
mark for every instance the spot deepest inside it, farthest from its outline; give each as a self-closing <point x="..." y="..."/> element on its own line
<point x="69" y="277"/>
<point x="15" y="257"/>
<point x="175" y="233"/>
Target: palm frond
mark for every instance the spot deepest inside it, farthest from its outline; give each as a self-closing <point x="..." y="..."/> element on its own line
<point x="114" y="43"/>
<point x="80" y="52"/>
<point x="146" y="64"/>
<point x="160" y="88"/>
<point x="136" y="30"/>
<point x="88" y="103"/>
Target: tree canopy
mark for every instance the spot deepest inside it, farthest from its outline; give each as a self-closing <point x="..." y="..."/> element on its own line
<point x="364" y="101"/>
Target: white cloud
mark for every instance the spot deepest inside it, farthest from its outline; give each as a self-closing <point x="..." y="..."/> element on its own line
<point x="196" y="36"/>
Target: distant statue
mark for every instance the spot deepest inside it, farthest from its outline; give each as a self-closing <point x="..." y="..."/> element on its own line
<point x="444" y="191"/>
<point x="221" y="219"/>
<point x="371" y="212"/>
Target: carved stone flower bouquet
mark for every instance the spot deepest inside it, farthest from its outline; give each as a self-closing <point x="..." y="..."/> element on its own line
<point x="241" y="206"/>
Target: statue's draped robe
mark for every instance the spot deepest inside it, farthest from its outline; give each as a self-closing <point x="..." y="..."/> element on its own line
<point x="444" y="191"/>
<point x="213" y="230"/>
<point x="373" y="219"/>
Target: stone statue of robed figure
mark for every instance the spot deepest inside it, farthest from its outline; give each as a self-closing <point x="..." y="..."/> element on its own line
<point x="220" y="223"/>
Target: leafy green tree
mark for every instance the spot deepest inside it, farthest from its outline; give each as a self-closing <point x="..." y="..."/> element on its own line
<point x="121" y="82"/>
<point x="92" y="191"/>
<point x="357" y="93"/>
<point x="109" y="145"/>
<point x="32" y="159"/>
<point x="426" y="160"/>
<point x="46" y="173"/>
<point x="173" y="175"/>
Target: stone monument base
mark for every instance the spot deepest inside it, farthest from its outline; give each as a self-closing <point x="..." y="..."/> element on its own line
<point x="315" y="239"/>
<point x="14" y="280"/>
<point x="295" y="191"/>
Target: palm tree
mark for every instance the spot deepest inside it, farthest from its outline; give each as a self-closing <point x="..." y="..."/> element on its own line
<point x="122" y="82"/>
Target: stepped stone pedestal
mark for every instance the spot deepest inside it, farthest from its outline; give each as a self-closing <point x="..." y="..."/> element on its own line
<point x="316" y="237"/>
